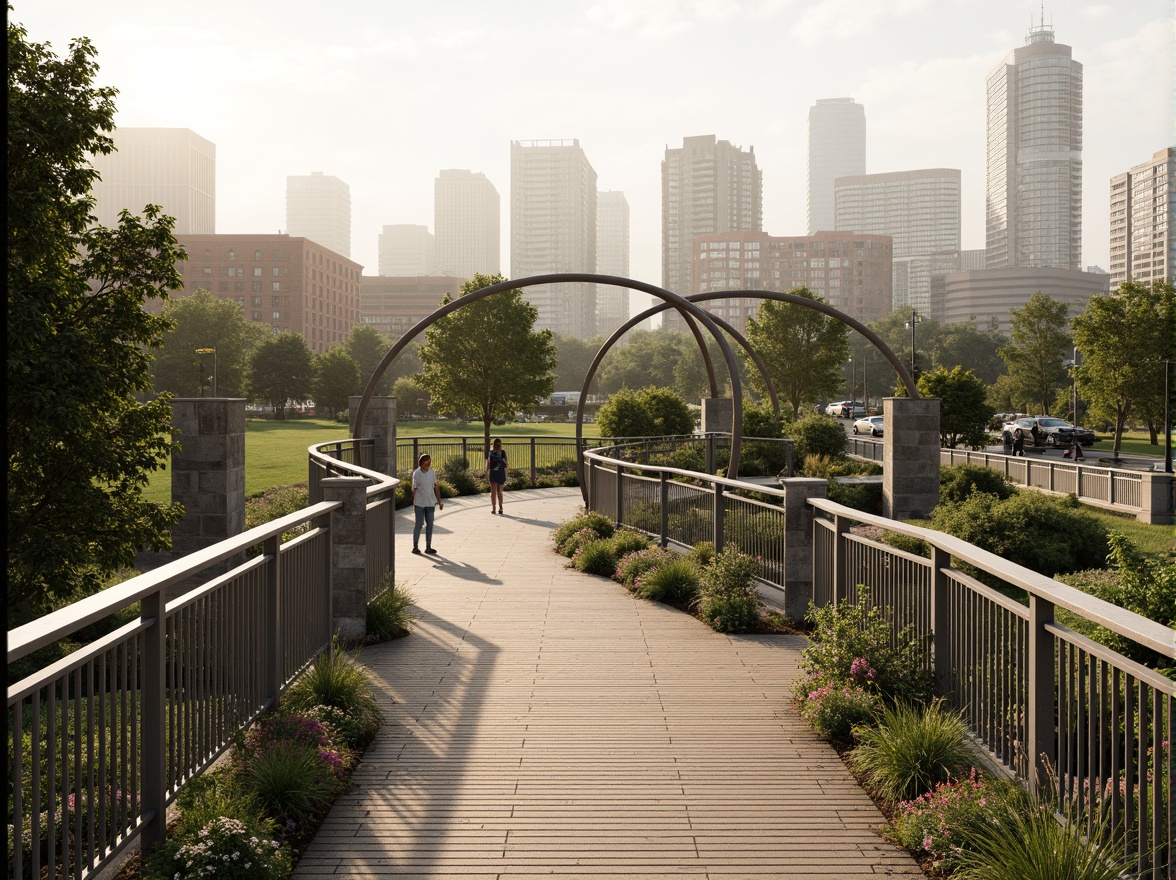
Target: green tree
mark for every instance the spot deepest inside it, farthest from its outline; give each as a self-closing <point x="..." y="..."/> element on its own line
<point x="336" y="378"/>
<point x="487" y="357"/>
<point x="80" y="446"/>
<point x="669" y="415"/>
<point x="624" y="415"/>
<point x="803" y="349"/>
<point x="966" y="344"/>
<point x="963" y="405"/>
<point x="411" y="398"/>
<point x="1037" y="346"/>
<point x="367" y="346"/>
<point x="648" y="358"/>
<point x="573" y="357"/>
<point x="280" y="371"/>
<point x="202" y="320"/>
<point x="1124" y="338"/>
<point x="895" y="331"/>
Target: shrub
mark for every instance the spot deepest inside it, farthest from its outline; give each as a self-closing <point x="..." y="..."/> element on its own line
<point x="687" y="458"/>
<point x="917" y="546"/>
<point x="227" y="848"/>
<point x="702" y="554"/>
<point x="834" y="708"/>
<point x="446" y="489"/>
<point x="727" y="596"/>
<point x="910" y="750"/>
<point x="1046" y="534"/>
<point x="598" y="522"/>
<point x="818" y="435"/>
<point x="936" y="823"/>
<point x="959" y="482"/>
<point x="335" y="679"/>
<point x="596" y="557"/>
<point x="458" y="464"/>
<point x="574" y="542"/>
<point x="390" y="614"/>
<point x="852" y="633"/>
<point x="636" y="564"/>
<point x="291" y="784"/>
<point x="625" y="541"/>
<point x="674" y="582"/>
<point x="463" y="483"/>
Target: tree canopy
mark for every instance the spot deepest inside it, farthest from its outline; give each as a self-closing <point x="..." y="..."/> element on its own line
<point x="367" y="346"/>
<point x="804" y="351"/>
<point x="280" y="371"/>
<point x="80" y="445"/>
<point x="963" y="407"/>
<point x="573" y="357"/>
<point x="1038" y="344"/>
<point x="645" y="412"/>
<point x="487" y="358"/>
<point x="1124" y="339"/>
<point x="336" y="378"/>
<point x="202" y="320"/>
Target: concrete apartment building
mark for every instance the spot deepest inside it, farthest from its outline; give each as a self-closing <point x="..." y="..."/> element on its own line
<point x="393" y="305"/>
<point x="849" y="271"/>
<point x="318" y="207"/>
<point x="283" y="281"/>
<point x="1034" y="157"/>
<point x="920" y="211"/>
<point x="612" y="258"/>
<point x="174" y="168"/>
<point x="708" y="186"/>
<point x="466" y="224"/>
<point x="836" y="148"/>
<point x="407" y="249"/>
<point x="553" y="229"/>
<point x="1143" y="221"/>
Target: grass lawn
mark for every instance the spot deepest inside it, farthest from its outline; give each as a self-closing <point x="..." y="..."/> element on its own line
<point x="275" y="452"/>
<point x="1134" y="443"/>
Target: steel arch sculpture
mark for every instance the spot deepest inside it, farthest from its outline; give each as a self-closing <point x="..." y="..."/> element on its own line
<point x="671" y="299"/>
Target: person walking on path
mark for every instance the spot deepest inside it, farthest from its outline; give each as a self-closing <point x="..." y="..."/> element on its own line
<point x="426" y="498"/>
<point x="1018" y="443"/>
<point x="496" y="474"/>
<point x="1075" y="450"/>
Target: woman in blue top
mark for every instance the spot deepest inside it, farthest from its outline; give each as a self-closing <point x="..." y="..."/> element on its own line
<point x="496" y="474"/>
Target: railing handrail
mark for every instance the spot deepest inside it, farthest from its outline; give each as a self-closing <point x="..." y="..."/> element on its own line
<point x="597" y="455"/>
<point x="1127" y="623"/>
<point x="380" y="482"/>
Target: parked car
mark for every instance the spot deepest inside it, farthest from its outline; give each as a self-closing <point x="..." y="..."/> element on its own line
<point x="1049" y="432"/>
<point x="871" y="425"/>
<point x="846" y="409"/>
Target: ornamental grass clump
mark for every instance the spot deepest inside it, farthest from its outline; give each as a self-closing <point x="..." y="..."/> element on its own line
<point x="337" y="680"/>
<point x="727" y="596"/>
<point x="634" y="566"/>
<point x="572" y="544"/>
<point x="910" y="749"/>
<point x="595" y="557"/>
<point x="390" y="614"/>
<point x="674" y="582"/>
<point x="937" y="823"/>
<point x="625" y="541"/>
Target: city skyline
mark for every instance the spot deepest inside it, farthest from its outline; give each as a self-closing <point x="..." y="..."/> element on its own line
<point x="392" y="97"/>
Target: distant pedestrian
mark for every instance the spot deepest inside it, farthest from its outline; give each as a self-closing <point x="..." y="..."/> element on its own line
<point x="426" y="498"/>
<point x="1018" y="444"/>
<point x="496" y="474"/>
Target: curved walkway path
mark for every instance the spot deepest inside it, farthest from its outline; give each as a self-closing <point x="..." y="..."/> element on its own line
<point x="543" y="721"/>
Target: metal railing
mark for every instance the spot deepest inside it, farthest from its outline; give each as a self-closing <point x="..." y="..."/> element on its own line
<point x="532" y="455"/>
<point x="1109" y="487"/>
<point x="102" y="739"/>
<point x="1036" y="694"/>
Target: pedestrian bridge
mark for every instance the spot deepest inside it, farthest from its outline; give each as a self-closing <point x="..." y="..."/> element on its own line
<point x="544" y="721"/>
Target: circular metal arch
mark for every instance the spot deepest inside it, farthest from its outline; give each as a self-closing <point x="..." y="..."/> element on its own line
<point x="772" y="295"/>
<point x="682" y="304"/>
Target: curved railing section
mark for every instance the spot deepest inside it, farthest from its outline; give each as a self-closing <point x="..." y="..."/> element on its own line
<point x="103" y="735"/>
<point x="1035" y="693"/>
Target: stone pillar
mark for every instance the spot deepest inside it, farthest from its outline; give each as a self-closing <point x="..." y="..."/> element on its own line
<point x="717" y="413"/>
<point x="379" y="423"/>
<point x="910" y="457"/>
<point x="348" y="555"/>
<point x="208" y="473"/>
<point x="1158" y="498"/>
<point x="798" y="542"/>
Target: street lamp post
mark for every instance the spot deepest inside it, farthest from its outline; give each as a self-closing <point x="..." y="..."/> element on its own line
<point x="911" y="322"/>
<point x="1167" y="418"/>
<point x="211" y="351"/>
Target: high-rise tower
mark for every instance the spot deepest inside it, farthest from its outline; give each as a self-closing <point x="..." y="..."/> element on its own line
<point x="318" y="206"/>
<point x="1143" y="221"/>
<point x="1034" y="200"/>
<point x="553" y="229"/>
<point x="708" y="186"/>
<point x="174" y="168"/>
<point x="836" y="148"/>
<point x="612" y="258"/>
<point x="466" y="224"/>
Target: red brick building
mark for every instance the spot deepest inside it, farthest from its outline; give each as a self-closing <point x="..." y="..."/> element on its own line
<point x="286" y="282"/>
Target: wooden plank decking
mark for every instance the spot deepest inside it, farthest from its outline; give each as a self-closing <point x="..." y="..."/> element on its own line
<point x="542" y="721"/>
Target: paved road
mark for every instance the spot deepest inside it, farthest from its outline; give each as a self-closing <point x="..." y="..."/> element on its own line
<point x="543" y="721"/>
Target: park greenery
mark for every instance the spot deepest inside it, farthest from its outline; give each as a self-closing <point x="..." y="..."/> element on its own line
<point x="79" y="342"/>
<point x="650" y="412"/>
<point x="487" y="358"/>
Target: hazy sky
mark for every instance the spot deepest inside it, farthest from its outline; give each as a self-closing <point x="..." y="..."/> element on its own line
<point x="385" y="94"/>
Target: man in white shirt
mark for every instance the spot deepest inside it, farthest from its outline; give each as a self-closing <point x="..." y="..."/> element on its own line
<point x="426" y="498"/>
